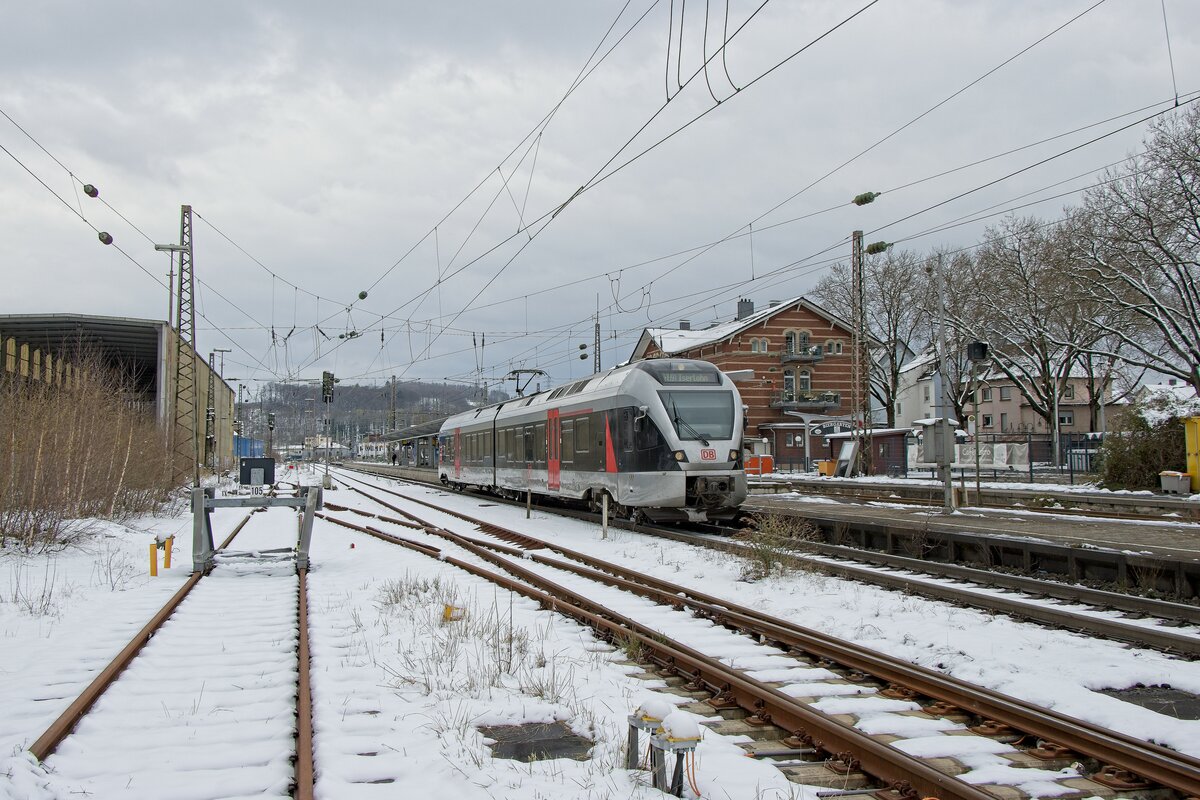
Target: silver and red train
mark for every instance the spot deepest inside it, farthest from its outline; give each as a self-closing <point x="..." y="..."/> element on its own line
<point x="660" y="438"/>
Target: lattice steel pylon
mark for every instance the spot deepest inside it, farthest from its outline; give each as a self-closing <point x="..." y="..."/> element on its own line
<point x="186" y="447"/>
<point x="861" y="390"/>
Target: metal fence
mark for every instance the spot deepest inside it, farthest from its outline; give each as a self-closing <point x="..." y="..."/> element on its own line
<point x="1013" y="456"/>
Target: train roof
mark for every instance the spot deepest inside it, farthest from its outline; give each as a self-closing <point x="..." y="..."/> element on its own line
<point x="679" y="372"/>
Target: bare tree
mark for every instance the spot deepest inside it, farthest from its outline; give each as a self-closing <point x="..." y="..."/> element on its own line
<point x="894" y="285"/>
<point x="1025" y="311"/>
<point x="961" y="287"/>
<point x="1137" y="251"/>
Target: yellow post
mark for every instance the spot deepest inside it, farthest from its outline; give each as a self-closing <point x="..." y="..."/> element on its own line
<point x="1191" y="436"/>
<point x="167" y="557"/>
<point x="153" y="559"/>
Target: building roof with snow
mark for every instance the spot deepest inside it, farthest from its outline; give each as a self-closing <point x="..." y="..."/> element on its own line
<point x="673" y="341"/>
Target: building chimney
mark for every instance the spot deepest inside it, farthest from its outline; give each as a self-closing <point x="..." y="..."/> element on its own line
<point x="745" y="308"/>
<point x="685" y="324"/>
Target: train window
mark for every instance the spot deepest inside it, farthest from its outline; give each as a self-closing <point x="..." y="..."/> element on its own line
<point x="567" y="441"/>
<point x="528" y="444"/>
<point x="583" y="434"/>
<point x="518" y="450"/>
<point x="539" y="442"/>
<point x="626" y="430"/>
<point x="699" y="415"/>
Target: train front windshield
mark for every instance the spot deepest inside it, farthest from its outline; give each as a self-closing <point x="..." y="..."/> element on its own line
<point x="700" y="415"/>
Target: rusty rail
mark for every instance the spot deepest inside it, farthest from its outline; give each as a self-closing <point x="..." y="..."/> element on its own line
<point x="1155" y="638"/>
<point x="304" y="731"/>
<point x="1150" y="761"/>
<point x="66" y="722"/>
<point x="887" y="764"/>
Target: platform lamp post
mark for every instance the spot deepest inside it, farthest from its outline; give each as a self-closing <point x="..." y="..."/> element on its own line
<point x="863" y="456"/>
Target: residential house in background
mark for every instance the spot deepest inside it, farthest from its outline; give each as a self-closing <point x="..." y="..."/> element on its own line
<point x="797" y="365"/>
<point x="999" y="407"/>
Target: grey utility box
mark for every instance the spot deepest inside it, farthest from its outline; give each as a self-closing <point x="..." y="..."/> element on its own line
<point x="257" y="472"/>
<point x="1175" y="482"/>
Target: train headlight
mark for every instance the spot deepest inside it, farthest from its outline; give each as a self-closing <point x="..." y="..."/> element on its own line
<point x="680" y="455"/>
<point x="733" y="455"/>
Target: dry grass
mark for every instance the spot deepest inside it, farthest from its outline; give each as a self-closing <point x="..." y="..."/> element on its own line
<point x="770" y="539"/>
<point x="73" y="452"/>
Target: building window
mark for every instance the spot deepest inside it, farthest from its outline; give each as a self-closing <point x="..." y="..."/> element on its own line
<point x="837" y="347"/>
<point x="791" y="440"/>
<point x="804" y="381"/>
<point x="927" y="393"/>
<point x="1006" y="393"/>
<point x="987" y="395"/>
<point x="899" y="408"/>
<point x="829" y="347"/>
<point x="796" y="341"/>
<point x="1066" y="418"/>
<point x="1004" y="422"/>
<point x="754" y="345"/>
<point x="789" y="386"/>
<point x="987" y="420"/>
<point x="1069" y="391"/>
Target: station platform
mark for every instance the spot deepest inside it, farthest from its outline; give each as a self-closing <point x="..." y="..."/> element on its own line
<point x="1166" y="538"/>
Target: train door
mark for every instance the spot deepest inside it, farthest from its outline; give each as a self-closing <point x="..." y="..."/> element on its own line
<point x="458" y="452"/>
<point x="553" y="446"/>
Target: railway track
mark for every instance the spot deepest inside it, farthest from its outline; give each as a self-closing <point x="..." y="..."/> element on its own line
<point x="1143" y="622"/>
<point x="812" y="742"/>
<point x="1081" y="504"/>
<point x="212" y="691"/>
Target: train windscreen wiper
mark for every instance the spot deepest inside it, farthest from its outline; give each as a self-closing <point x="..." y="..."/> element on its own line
<point x="680" y="421"/>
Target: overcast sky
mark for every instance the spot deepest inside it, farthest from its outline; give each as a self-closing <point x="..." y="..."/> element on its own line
<point x="376" y="147"/>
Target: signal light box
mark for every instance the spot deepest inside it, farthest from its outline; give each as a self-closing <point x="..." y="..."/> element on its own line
<point x="257" y="472"/>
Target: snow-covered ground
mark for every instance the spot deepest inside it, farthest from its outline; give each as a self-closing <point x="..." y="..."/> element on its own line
<point x="399" y="695"/>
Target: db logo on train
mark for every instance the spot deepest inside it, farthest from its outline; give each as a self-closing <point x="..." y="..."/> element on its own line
<point x="708" y="454"/>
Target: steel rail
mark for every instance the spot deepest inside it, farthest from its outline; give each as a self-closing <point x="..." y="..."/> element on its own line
<point x="304" y="730"/>
<point x="919" y="495"/>
<point x="1155" y="638"/>
<point x="885" y="763"/>
<point x="66" y="722"/>
<point x="1150" y="761"/>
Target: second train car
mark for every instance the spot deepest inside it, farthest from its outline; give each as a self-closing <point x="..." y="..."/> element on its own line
<point x="660" y="438"/>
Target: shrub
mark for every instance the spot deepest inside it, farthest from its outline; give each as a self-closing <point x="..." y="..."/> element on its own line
<point x="85" y="448"/>
<point x="1135" y="450"/>
<point x="769" y="539"/>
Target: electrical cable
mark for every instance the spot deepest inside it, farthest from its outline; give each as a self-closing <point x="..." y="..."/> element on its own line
<point x="1170" y="55"/>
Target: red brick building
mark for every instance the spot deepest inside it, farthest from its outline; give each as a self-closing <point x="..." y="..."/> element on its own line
<point x="801" y="359"/>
